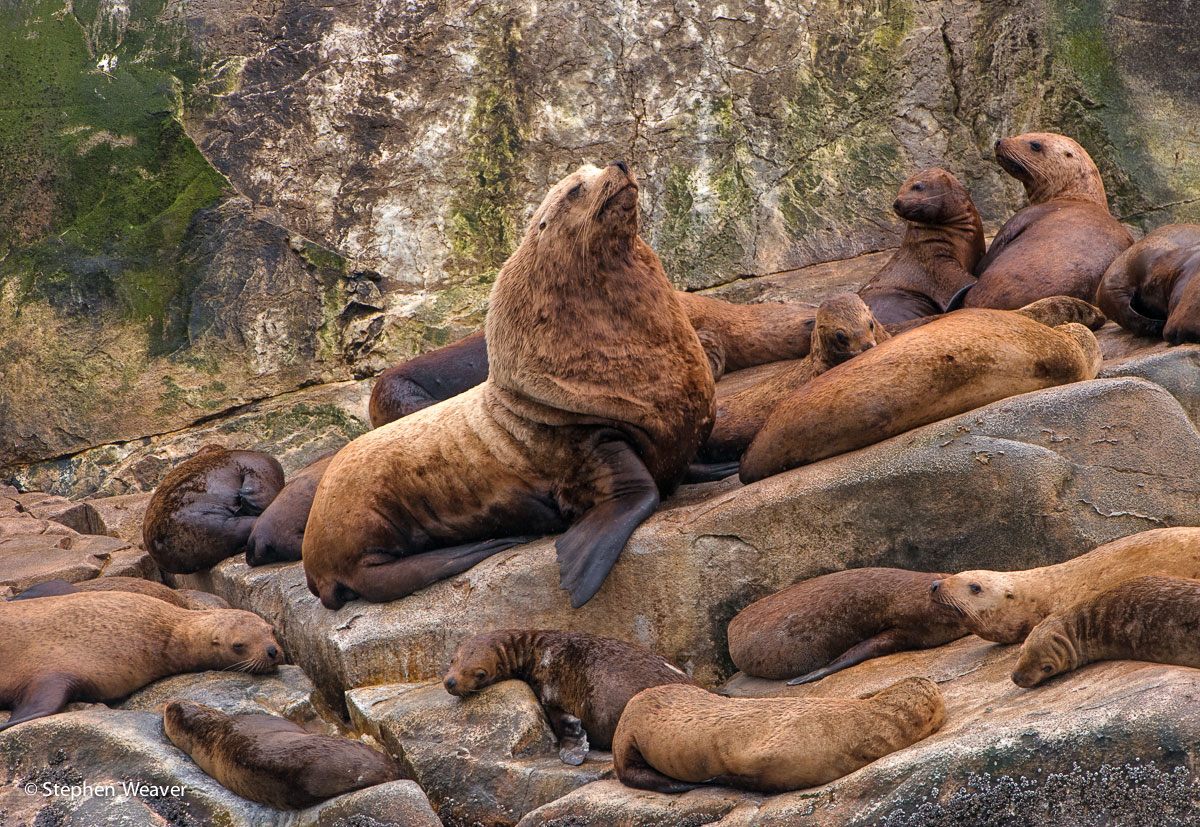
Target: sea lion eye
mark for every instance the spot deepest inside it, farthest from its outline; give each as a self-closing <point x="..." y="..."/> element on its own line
<point x="575" y="190"/>
<point x="975" y="588"/>
<point x="1069" y="155"/>
<point x="481" y="675"/>
<point x="871" y="325"/>
<point x="238" y="647"/>
<point x="542" y="225"/>
<point x="1047" y="669"/>
<point x="1036" y="146"/>
<point x="919" y="187"/>
<point x="841" y="338"/>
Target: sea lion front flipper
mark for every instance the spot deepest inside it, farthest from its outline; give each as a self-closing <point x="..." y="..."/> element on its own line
<point x="590" y="547"/>
<point x="884" y="643"/>
<point x="382" y="576"/>
<point x="45" y="695"/>
<point x="710" y="471"/>
<point x="573" y="743"/>
<point x="635" y="772"/>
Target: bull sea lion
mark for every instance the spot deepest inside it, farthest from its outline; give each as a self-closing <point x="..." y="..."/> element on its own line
<point x="271" y="760"/>
<point x="953" y="364"/>
<point x="1061" y="244"/>
<point x="183" y="598"/>
<point x="204" y="509"/>
<point x="942" y="244"/>
<point x="96" y="646"/>
<point x="598" y="396"/>
<point x="1151" y="289"/>
<point x="278" y="533"/>
<point x="844" y="328"/>
<point x="673" y="738"/>
<point x="1004" y="606"/>
<point x="582" y="681"/>
<point x="825" y="624"/>
<point x="1145" y="618"/>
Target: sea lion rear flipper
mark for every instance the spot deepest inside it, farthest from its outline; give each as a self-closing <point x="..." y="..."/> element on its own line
<point x="45" y="695"/>
<point x="47" y="588"/>
<point x="590" y="547"/>
<point x="710" y="471"/>
<point x="383" y="576"/>
<point x="884" y="643"/>
<point x="956" y="301"/>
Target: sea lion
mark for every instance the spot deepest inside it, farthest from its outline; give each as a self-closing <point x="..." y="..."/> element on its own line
<point x="204" y="509"/>
<point x="844" y="328"/>
<point x="278" y="533"/>
<point x="825" y="624"/>
<point x="582" y="681"/>
<point x="271" y="760"/>
<point x="1061" y="244"/>
<point x="673" y="738"/>
<point x="96" y="646"/>
<point x="1005" y="605"/>
<point x="429" y="378"/>
<point x="954" y="364"/>
<point x="1144" y="618"/>
<point x="183" y="598"/>
<point x="598" y="396"/>
<point x="943" y="241"/>
<point x="1151" y="289"/>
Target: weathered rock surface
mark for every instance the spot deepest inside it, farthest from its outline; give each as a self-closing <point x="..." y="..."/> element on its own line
<point x="33" y="550"/>
<point x="483" y="760"/>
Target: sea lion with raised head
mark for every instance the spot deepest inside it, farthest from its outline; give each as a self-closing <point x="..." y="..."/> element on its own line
<point x="1061" y="244"/>
<point x="598" y="396"/>
<point x="271" y="760"/>
<point x="943" y="241"/>
<point x="582" y="681"/>
<point x="1004" y="606"/>
<point x="671" y="739"/>
<point x="1151" y="289"/>
<point x="96" y="646"/>
<point x="278" y="534"/>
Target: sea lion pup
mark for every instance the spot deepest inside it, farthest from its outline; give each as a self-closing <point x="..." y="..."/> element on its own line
<point x="942" y="244"/>
<point x="829" y="623"/>
<point x="1061" y="244"/>
<point x="844" y="328"/>
<point x="1005" y="605"/>
<point x="204" y="509"/>
<point x="271" y="760"/>
<point x="582" y="681"/>
<point x="951" y="365"/>
<point x="183" y="598"/>
<point x="1145" y="618"/>
<point x="671" y="739"/>
<point x="1151" y="289"/>
<point x="598" y="396"/>
<point x="278" y="533"/>
<point x="96" y="646"/>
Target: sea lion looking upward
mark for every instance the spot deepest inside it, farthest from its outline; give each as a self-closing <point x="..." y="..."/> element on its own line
<point x="1151" y="289"/>
<point x="598" y="396"/>
<point x="1061" y="244"/>
<point x="942" y="244"/>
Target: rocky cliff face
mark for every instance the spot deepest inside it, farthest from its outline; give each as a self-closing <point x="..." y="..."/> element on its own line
<point x="205" y="204"/>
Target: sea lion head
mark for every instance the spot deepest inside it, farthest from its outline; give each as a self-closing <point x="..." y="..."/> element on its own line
<point x="481" y="661"/>
<point x="1183" y="306"/>
<point x="1048" y="651"/>
<point x="844" y="328"/>
<point x="1051" y="166"/>
<point x="989" y="602"/>
<point x="933" y="196"/>
<point x="588" y="212"/>
<point x="229" y="639"/>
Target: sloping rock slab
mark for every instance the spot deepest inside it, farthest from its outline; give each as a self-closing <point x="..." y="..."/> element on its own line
<point x="1176" y="368"/>
<point x="1108" y="744"/>
<point x="33" y="550"/>
<point x="123" y="515"/>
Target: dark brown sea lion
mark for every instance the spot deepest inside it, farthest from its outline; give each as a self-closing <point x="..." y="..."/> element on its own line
<point x="1061" y="244"/>
<point x="582" y="681"/>
<point x="429" y="378"/>
<point x="844" y="329"/>
<point x="183" y="598"/>
<point x="204" y="509"/>
<point x="96" y="646"/>
<point x="598" y="396"/>
<point x="1004" y="606"/>
<point x="278" y="534"/>
<point x="828" y="623"/>
<point x="942" y="244"/>
<point x="1145" y="618"/>
<point x="954" y="364"/>
<point x="673" y="738"/>
<point x="1151" y="289"/>
<point x="271" y="760"/>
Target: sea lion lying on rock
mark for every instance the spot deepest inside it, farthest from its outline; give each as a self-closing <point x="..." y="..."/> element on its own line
<point x="582" y="681"/>
<point x="271" y="760"/>
<point x="278" y="534"/>
<point x="1151" y="289"/>
<point x="598" y="396"/>
<point x="183" y="598"/>
<point x="673" y="738"/>
<point x="96" y="646"/>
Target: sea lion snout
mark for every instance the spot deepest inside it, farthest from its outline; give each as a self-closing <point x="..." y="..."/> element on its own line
<point x="621" y="165"/>
<point x="450" y="683"/>
<point x="935" y="586"/>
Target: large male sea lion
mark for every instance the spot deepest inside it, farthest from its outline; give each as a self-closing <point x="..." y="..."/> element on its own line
<point x="598" y="396"/>
<point x="582" y="681"/>
<point x="1151" y="289"/>
<point x="953" y="364"/>
<point x="1005" y="605"/>
<point x="1061" y="244"/>
<point x="942" y="244"/>
<point x="278" y="533"/>
<point x="673" y="738"/>
<point x="271" y="760"/>
<point x="96" y="646"/>
<point x="204" y="509"/>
